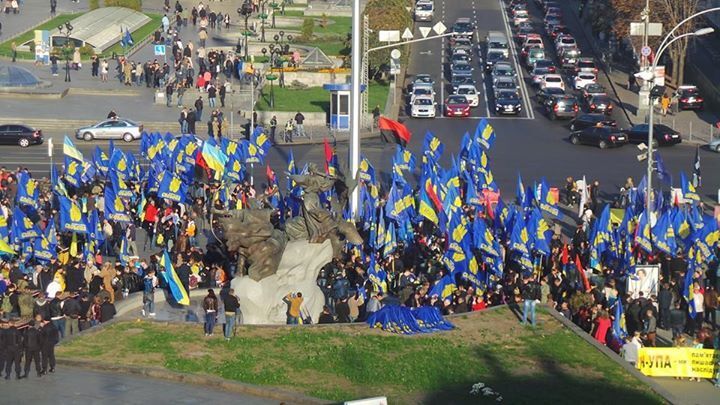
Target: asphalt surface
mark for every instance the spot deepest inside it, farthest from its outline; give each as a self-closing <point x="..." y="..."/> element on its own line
<point x="76" y="386"/>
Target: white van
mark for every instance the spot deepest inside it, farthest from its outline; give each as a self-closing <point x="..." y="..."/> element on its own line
<point x="497" y="41"/>
<point x="424" y="10"/>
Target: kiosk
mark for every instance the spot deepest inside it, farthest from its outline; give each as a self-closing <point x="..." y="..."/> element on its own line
<point x="339" y="105"/>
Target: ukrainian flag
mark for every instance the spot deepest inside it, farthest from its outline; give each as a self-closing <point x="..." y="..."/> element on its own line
<point x="215" y="159"/>
<point x="5" y="249"/>
<point x="172" y="280"/>
<point x="70" y="150"/>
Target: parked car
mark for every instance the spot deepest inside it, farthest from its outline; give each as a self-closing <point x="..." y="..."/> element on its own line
<point x="423" y="107"/>
<point x="20" y="134"/>
<point x="583" y="121"/>
<point x="118" y="128"/>
<point x="603" y="137"/>
<point x="507" y="102"/>
<point x="663" y="135"/>
<point x="600" y="104"/>
<point x="562" y="106"/>
<point x="470" y="93"/>
<point x="457" y="106"/>
<point x="715" y="145"/>
<point x="689" y="98"/>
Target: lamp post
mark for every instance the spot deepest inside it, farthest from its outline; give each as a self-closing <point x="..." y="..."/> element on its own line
<point x="272" y="79"/>
<point x="355" y="111"/>
<point x="649" y="76"/>
<point x="65" y="30"/>
<point x="245" y="11"/>
<point x="275" y="7"/>
<point x="263" y="17"/>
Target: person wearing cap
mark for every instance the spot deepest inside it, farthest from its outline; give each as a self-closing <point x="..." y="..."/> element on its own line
<point x="40" y="307"/>
<point x="12" y="341"/>
<point x="71" y="310"/>
<point x="33" y="343"/>
<point x="51" y="337"/>
<point x="56" y="313"/>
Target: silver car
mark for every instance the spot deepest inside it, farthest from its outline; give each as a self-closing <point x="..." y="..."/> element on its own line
<point x="117" y="128"/>
<point x="715" y="145"/>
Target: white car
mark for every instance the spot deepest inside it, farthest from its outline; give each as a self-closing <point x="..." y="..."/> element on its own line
<point x="552" y="80"/>
<point x="423" y="107"/>
<point x="583" y="79"/>
<point x="470" y="93"/>
<point x="565" y="41"/>
<point x="421" y="91"/>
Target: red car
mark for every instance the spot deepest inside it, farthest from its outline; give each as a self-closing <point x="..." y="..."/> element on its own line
<point x="457" y="106"/>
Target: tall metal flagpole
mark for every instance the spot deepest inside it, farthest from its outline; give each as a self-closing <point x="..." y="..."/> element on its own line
<point x="354" y="151"/>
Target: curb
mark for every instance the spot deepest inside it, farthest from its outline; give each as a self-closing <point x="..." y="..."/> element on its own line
<point x="657" y="388"/>
<point x="200" y="380"/>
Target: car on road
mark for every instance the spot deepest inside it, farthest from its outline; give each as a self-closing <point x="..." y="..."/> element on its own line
<point x="601" y="136"/>
<point x="600" y="104"/>
<point x="463" y="27"/>
<point x="461" y="43"/>
<point x="533" y="40"/>
<point x="424" y="10"/>
<point x="558" y="30"/>
<point x="497" y="41"/>
<point x="533" y="55"/>
<point x="689" y="98"/>
<point x="715" y="145"/>
<point x="470" y="93"/>
<point x="522" y="33"/>
<point x="460" y="58"/>
<point x="457" y="106"/>
<point x="460" y="80"/>
<point x="461" y="69"/>
<point x="505" y="83"/>
<point x="552" y="80"/>
<point x="547" y="93"/>
<point x="502" y="69"/>
<point x="545" y="63"/>
<point x="507" y="102"/>
<point x="423" y="79"/>
<point x="663" y="135"/>
<point x="586" y="65"/>
<point x="594" y="89"/>
<point x="569" y="57"/>
<point x="494" y="57"/>
<point x="422" y="91"/>
<point x="538" y="74"/>
<point x="423" y="107"/>
<point x="565" y="41"/>
<point x="20" y="134"/>
<point x="583" y="79"/>
<point x="117" y="128"/>
<point x="561" y="106"/>
<point x="520" y="16"/>
<point x="583" y="121"/>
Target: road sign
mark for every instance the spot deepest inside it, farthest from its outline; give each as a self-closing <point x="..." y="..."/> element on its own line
<point x="395" y="54"/>
<point x="50" y="147"/>
<point x="159" y="50"/>
<point x="638" y="28"/>
<point x="646" y="51"/>
<point x="439" y="28"/>
<point x="424" y="31"/>
<point x="389" y="36"/>
<point x="407" y="34"/>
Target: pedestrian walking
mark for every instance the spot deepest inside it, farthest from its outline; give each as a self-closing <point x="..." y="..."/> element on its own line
<point x="299" y="120"/>
<point x="232" y="306"/>
<point x="168" y="93"/>
<point x="212" y="94"/>
<point x="273" y="128"/>
<point x="222" y="93"/>
<point x="53" y="8"/>
<point x="664" y="104"/>
<point x="531" y="296"/>
<point x="50" y="338"/>
<point x="150" y="283"/>
<point x="631" y="81"/>
<point x="649" y="328"/>
<point x="103" y="71"/>
<point x="12" y="343"/>
<point x="180" y="93"/>
<point x="210" y="306"/>
<point x="13" y="48"/>
<point x="198" y="108"/>
<point x="32" y="344"/>
<point x="289" y="129"/>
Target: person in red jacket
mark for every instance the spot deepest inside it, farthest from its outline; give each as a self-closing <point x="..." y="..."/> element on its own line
<point x="150" y="219"/>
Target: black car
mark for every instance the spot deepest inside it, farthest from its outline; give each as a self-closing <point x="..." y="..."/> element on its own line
<point x="602" y="137"/>
<point x="689" y="98"/>
<point x="663" y="135"/>
<point x="563" y="106"/>
<point x="18" y="134"/>
<point x="583" y="121"/>
<point x="600" y="104"/>
<point x="507" y="102"/>
<point x="548" y="92"/>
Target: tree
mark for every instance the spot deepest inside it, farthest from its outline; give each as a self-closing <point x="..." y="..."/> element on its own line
<point x="385" y="15"/>
<point x="676" y="11"/>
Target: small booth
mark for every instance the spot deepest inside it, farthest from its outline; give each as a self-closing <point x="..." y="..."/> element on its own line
<point x="339" y="105"/>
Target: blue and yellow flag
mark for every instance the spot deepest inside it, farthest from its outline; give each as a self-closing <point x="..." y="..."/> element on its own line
<point x="22" y="227"/>
<point x="71" y="217"/>
<point x="119" y="163"/>
<point x="115" y="207"/>
<point x="43" y="250"/>
<point x="484" y="134"/>
<point x="377" y="276"/>
<point x="5" y="249"/>
<point x="73" y="172"/>
<point x="443" y="287"/>
<point x="519" y="238"/>
<point x="119" y="186"/>
<point x="403" y="159"/>
<point x="663" y="235"/>
<point x="689" y="192"/>
<point x="642" y="233"/>
<point x="483" y="239"/>
<point x="548" y="202"/>
<point x="27" y="190"/>
<point x="4" y="230"/>
<point x="215" y="159"/>
<point x="366" y="170"/>
<point x="58" y="186"/>
<point x="173" y="281"/>
<point x="539" y="232"/>
<point x="260" y="140"/>
<point x="432" y="148"/>
<point x="71" y="151"/>
<point x="172" y="188"/>
<point x="101" y="161"/>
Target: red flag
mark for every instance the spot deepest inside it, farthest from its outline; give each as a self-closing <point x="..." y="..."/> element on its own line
<point x="328" y="155"/>
<point x="580" y="270"/>
<point x="200" y="161"/>
<point x="433" y="195"/>
<point x="565" y="258"/>
<point x="401" y="133"/>
<point x="270" y="175"/>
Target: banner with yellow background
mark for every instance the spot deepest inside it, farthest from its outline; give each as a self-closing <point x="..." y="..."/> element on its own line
<point x="678" y="362"/>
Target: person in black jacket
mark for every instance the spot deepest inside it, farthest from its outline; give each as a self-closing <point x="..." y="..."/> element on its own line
<point x="41" y="307"/>
<point x="11" y="340"/>
<point x="33" y="345"/>
<point x="664" y="302"/>
<point x="232" y="305"/>
<point x="107" y="311"/>
<point x="56" y="315"/>
<point x="51" y="337"/>
<point x="71" y="310"/>
<point x="678" y="318"/>
<point x="326" y="316"/>
<point x="342" y="310"/>
<point x="531" y="296"/>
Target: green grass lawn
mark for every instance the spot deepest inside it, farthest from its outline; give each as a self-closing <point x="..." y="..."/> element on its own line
<point x="138" y="35"/>
<point x="330" y="47"/>
<point x="313" y="99"/>
<point x="5" y="47"/>
<point x="547" y="365"/>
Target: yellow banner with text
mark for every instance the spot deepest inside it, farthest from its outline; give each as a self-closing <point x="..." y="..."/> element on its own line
<point x="678" y="362"/>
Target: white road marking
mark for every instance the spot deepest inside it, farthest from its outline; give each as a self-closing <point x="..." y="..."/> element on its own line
<point x="516" y="61"/>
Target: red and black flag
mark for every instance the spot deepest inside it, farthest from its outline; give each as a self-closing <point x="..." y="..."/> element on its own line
<point x="399" y="131"/>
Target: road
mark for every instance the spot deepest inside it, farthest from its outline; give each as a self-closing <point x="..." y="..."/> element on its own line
<point x="76" y="386"/>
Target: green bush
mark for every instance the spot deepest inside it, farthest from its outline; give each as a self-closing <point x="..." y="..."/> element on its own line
<point x="94" y="4"/>
<point x="308" y="27"/>
<point x="133" y="4"/>
<point x="87" y="51"/>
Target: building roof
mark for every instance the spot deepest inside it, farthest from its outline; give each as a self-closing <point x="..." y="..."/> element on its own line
<point x="103" y="27"/>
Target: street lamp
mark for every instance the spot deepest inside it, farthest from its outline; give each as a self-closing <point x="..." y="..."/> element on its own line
<point x="66" y="30"/>
<point x="649" y="76"/>
<point x="275" y="7"/>
<point x="263" y="17"/>
<point x="245" y="11"/>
